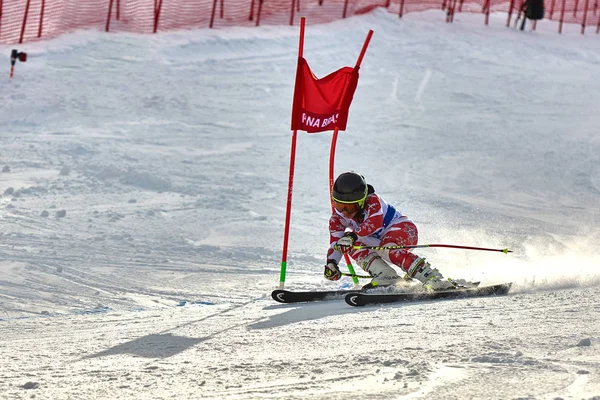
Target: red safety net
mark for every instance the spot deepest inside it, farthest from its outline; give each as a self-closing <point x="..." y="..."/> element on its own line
<point x="30" y="20"/>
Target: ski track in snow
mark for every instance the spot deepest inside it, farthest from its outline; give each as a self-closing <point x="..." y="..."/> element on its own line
<point x="229" y="351"/>
<point x="142" y="202"/>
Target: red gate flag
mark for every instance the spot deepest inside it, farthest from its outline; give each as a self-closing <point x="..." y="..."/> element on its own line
<point x="322" y="104"/>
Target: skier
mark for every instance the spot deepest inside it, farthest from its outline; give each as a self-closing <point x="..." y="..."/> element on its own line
<point x="363" y="218"/>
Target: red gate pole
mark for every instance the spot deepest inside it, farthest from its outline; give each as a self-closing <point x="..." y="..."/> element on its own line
<point x="587" y="2"/>
<point x="288" y="211"/>
<point x="453" y="10"/>
<point x="332" y="151"/>
<point x="510" y="9"/>
<point x="251" y="16"/>
<point x="157" y="13"/>
<point x="260" y="3"/>
<point x="364" y="49"/>
<point x="521" y="11"/>
<point x="562" y="17"/>
<point x="401" y="12"/>
<point x="345" y="8"/>
<point x="110" y="4"/>
<point x="41" y="19"/>
<point x="292" y="13"/>
<point x="212" y="14"/>
<point x="24" y="21"/>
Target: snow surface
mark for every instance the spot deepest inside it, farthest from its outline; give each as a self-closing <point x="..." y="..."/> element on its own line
<point x="143" y="193"/>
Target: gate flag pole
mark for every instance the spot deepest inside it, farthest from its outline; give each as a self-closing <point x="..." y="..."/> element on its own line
<point x="319" y="105"/>
<point x="332" y="152"/>
<point x="288" y="211"/>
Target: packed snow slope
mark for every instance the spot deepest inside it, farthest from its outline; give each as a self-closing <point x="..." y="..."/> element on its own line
<point x="143" y="193"/>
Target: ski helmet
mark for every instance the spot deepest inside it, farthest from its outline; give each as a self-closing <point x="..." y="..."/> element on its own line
<point x="350" y="187"/>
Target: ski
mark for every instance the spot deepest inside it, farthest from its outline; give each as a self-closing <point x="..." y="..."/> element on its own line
<point x="287" y="296"/>
<point x="363" y="299"/>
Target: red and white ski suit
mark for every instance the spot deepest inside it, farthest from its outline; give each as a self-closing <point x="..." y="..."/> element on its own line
<point x="378" y="224"/>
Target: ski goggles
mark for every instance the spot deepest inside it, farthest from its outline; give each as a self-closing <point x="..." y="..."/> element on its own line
<point x="346" y="207"/>
<point x="360" y="203"/>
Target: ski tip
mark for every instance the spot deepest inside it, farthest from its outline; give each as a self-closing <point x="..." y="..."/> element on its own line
<point x="277" y="295"/>
<point x="352" y="299"/>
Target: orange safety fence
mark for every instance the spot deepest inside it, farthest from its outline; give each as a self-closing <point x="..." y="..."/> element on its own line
<point x="30" y="20"/>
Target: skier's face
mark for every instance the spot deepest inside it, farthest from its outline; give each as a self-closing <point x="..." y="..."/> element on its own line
<point x="347" y="210"/>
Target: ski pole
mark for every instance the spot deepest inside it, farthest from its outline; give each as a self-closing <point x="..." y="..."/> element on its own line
<point x="406" y="277"/>
<point x="417" y="246"/>
<point x="357" y="276"/>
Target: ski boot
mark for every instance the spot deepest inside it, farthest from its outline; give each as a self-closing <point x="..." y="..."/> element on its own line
<point x="431" y="278"/>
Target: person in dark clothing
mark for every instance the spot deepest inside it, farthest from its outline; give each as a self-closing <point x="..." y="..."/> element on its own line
<point x="533" y="10"/>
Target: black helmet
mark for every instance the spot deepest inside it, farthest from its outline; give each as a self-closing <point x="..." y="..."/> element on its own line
<point x="350" y="187"/>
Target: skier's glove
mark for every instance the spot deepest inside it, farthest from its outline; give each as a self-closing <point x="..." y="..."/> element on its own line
<point x="345" y="243"/>
<point x="332" y="272"/>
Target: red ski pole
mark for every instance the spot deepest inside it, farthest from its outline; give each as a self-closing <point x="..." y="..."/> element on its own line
<point x="417" y="246"/>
